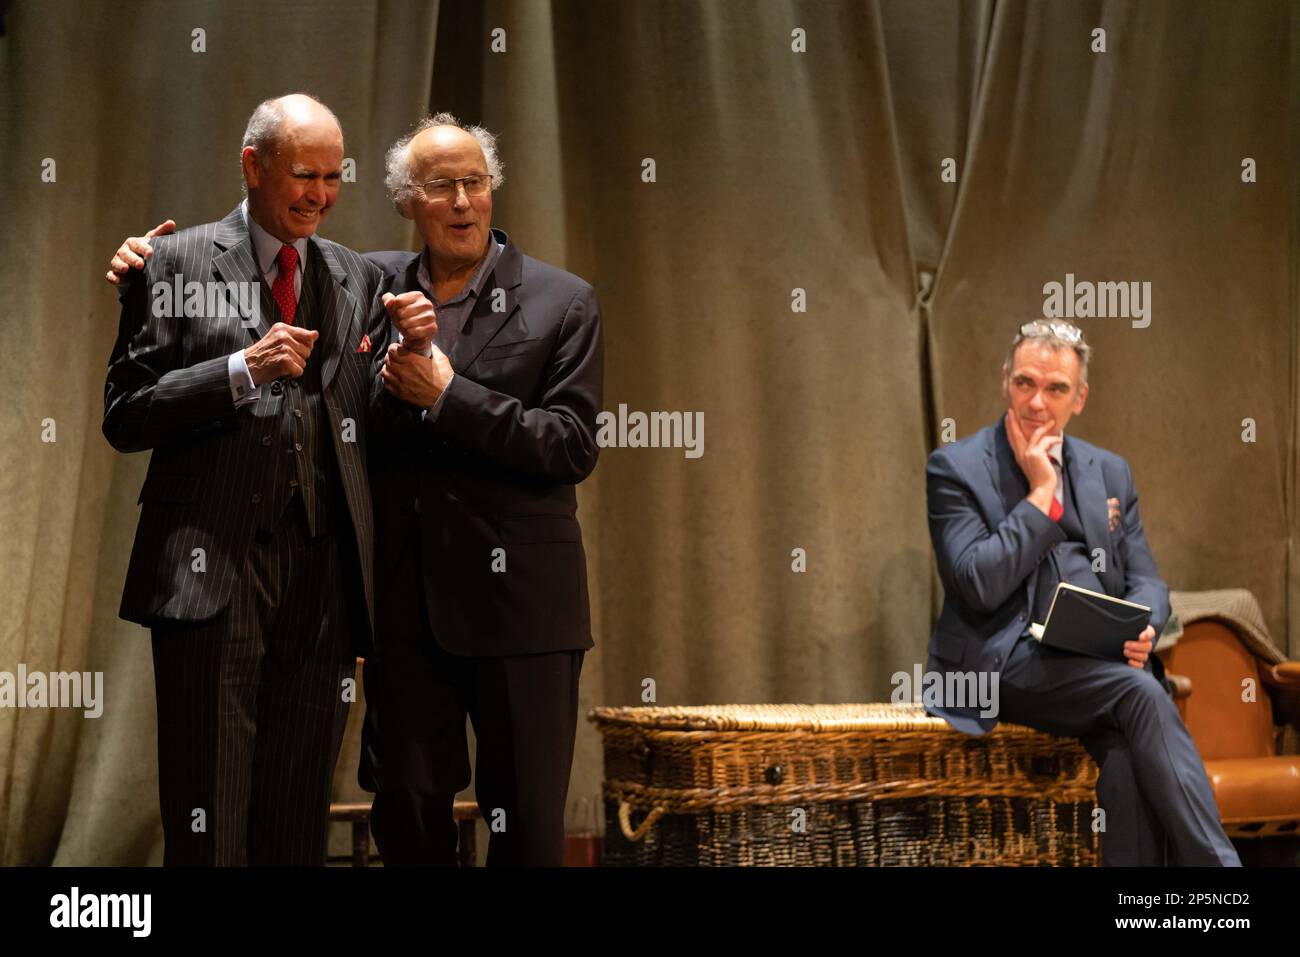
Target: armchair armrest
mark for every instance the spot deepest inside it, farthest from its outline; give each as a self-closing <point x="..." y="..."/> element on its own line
<point x="1283" y="675"/>
<point x="1283" y="681"/>
<point x="1181" y="684"/>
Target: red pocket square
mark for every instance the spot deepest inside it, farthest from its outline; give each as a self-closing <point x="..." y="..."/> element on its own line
<point x="365" y="343"/>
<point x="1112" y="513"/>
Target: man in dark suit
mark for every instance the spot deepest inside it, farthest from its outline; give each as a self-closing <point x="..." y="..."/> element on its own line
<point x="1014" y="510"/>
<point x="237" y="362"/>
<point x="483" y="421"/>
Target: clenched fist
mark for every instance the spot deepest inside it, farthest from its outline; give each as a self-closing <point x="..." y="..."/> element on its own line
<point x="1031" y="452"/>
<point x="412" y="313"/>
<point x="415" y="378"/>
<point x="283" y="351"/>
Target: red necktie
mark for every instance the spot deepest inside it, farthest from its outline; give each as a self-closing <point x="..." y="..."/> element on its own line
<point x="282" y="289"/>
<point x="1057" y="509"/>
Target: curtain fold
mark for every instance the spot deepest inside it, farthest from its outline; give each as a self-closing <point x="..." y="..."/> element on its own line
<point x="140" y="126"/>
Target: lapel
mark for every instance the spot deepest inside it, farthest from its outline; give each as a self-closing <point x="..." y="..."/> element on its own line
<point x="338" y="306"/>
<point x="1090" y="504"/>
<point x="1089" y="495"/>
<point x="1011" y="485"/>
<point x="236" y="263"/>
<point x="1007" y="479"/>
<point x="483" y="322"/>
<point x="410" y="278"/>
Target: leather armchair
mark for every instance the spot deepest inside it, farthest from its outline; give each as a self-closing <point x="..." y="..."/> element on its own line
<point x="1239" y="711"/>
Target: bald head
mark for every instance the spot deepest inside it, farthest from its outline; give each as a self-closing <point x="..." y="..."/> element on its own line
<point x="439" y="135"/>
<point x="304" y="109"/>
<point x="443" y="150"/>
<point x="292" y="158"/>
<point x="297" y="114"/>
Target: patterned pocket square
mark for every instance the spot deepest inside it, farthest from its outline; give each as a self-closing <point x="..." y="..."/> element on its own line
<point x="365" y="343"/>
<point x="1112" y="513"/>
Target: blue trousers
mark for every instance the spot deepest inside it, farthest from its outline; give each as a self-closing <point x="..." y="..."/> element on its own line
<point x="1152" y="783"/>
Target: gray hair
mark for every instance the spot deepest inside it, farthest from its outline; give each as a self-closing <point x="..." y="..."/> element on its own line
<point x="397" y="163"/>
<point x="1055" y="334"/>
<point x="265" y="127"/>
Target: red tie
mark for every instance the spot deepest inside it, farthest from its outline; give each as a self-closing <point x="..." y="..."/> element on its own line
<point x="1057" y="509"/>
<point x="282" y="289"/>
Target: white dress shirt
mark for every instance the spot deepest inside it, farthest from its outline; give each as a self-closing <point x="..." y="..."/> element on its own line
<point x="1055" y="454"/>
<point x="266" y="251"/>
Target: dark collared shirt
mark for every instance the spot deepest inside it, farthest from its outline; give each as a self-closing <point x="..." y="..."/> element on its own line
<point x="453" y="313"/>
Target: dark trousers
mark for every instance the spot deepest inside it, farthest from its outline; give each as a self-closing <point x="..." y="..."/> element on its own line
<point x="251" y="707"/>
<point x="415" y="755"/>
<point x="1152" y="783"/>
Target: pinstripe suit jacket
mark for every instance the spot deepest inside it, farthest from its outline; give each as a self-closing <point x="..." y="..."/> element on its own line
<point x="168" y="389"/>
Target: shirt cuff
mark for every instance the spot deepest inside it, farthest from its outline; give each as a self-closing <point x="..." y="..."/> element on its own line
<point x="431" y="413"/>
<point x="401" y="340"/>
<point x="242" y="388"/>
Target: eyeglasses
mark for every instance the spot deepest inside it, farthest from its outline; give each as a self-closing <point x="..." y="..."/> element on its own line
<point x="475" y="184"/>
<point x="1062" y="330"/>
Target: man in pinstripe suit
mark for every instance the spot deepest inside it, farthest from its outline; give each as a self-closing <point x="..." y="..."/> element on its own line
<point x="252" y="559"/>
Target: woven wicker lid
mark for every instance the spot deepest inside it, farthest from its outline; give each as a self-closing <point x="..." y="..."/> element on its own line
<point x="875" y="716"/>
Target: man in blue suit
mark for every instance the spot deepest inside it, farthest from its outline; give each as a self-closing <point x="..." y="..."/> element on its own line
<point x="1016" y="509"/>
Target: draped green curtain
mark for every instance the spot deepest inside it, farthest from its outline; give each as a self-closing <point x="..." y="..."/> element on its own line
<point x="797" y="269"/>
<point x="1127" y="166"/>
<point x="140" y="126"/>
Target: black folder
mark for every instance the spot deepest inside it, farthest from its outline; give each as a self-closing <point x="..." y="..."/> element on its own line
<point x="1091" y="623"/>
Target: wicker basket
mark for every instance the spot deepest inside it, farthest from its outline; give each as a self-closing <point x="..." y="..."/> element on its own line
<point x="846" y="784"/>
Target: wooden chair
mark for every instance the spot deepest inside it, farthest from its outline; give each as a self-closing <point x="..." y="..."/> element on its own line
<point x="357" y="813"/>
<point x="464" y="813"/>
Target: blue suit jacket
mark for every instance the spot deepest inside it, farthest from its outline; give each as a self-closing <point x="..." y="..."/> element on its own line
<point x="989" y="540"/>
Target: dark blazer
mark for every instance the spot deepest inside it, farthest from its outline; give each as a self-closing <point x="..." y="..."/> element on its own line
<point x="168" y="390"/>
<point x="496" y="468"/>
<point x="989" y="540"/>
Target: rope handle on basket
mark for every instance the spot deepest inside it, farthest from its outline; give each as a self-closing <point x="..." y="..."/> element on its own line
<point x="625" y="821"/>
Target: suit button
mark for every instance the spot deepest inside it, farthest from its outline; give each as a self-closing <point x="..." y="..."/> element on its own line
<point x="276" y="388"/>
<point x="997" y="660"/>
<point x="293" y="483"/>
<point x="266" y="440"/>
<point x="297" y="413"/>
<point x="257" y="497"/>
<point x="1022" y="616"/>
<point x="297" y="446"/>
